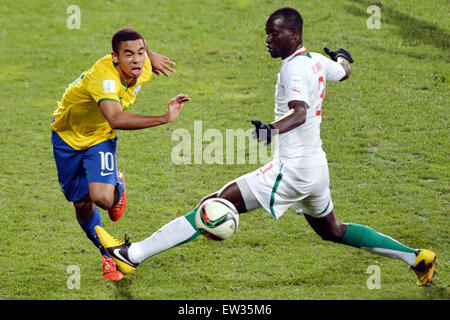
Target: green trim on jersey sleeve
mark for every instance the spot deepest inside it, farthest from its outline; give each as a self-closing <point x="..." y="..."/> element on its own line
<point x="108" y="99"/>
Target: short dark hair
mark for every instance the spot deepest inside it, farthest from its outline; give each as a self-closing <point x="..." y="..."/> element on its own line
<point x="125" y="34"/>
<point x="292" y="17"/>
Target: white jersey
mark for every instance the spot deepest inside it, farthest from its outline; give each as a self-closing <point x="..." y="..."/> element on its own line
<point x="303" y="77"/>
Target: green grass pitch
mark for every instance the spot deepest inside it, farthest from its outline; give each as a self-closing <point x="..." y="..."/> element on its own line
<point x="385" y="132"/>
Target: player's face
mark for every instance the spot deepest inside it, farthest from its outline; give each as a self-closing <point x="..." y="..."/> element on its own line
<point x="281" y="41"/>
<point x="131" y="58"/>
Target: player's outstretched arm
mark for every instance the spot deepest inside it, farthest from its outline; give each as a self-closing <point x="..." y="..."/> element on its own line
<point x="122" y="120"/>
<point x="160" y="63"/>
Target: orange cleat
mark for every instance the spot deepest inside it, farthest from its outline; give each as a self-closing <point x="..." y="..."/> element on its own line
<point x="116" y="212"/>
<point x="110" y="271"/>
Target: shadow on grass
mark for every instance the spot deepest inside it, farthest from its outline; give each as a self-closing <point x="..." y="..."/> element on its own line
<point x="437" y="291"/>
<point x="123" y="291"/>
<point x="411" y="29"/>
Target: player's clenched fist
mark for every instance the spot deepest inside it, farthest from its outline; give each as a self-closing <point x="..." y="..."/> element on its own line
<point x="341" y="52"/>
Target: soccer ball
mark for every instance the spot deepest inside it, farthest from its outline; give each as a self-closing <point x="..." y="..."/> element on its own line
<point x="217" y="219"/>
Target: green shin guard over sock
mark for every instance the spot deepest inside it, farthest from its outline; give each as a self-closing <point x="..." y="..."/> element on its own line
<point x="190" y="217"/>
<point x="364" y="237"/>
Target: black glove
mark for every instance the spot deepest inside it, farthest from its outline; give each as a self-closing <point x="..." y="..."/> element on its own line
<point x="263" y="131"/>
<point x="339" y="53"/>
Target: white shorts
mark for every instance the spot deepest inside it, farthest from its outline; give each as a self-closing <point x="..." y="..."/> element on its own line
<point x="280" y="185"/>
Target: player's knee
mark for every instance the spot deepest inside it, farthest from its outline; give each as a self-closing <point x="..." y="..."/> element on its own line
<point x="81" y="206"/>
<point x="83" y="209"/>
<point x="335" y="234"/>
<point x="232" y="193"/>
<point x="104" y="200"/>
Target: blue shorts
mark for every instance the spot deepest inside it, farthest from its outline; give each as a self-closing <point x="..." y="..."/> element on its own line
<point x="77" y="168"/>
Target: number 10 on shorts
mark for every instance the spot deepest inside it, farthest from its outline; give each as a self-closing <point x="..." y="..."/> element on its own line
<point x="107" y="160"/>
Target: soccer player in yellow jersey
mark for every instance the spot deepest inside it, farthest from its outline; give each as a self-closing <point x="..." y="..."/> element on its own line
<point x="84" y="129"/>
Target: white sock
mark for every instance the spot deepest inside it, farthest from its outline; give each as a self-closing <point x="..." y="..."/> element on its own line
<point x="408" y="257"/>
<point x="170" y="235"/>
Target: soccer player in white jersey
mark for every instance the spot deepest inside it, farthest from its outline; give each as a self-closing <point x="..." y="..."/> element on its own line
<point x="298" y="175"/>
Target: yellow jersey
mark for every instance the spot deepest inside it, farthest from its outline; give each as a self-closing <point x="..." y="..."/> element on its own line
<point x="78" y="119"/>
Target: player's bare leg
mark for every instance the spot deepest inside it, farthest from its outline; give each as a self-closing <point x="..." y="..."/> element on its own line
<point x="110" y="197"/>
<point x="233" y="194"/>
<point x="102" y="194"/>
<point x="328" y="228"/>
<point x="84" y="208"/>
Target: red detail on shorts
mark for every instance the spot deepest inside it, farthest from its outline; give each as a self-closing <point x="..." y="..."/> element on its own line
<point x="264" y="170"/>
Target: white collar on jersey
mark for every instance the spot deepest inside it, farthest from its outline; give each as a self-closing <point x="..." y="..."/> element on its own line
<point x="297" y="52"/>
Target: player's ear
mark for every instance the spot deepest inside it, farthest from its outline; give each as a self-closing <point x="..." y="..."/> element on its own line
<point x="115" y="57"/>
<point x="296" y="35"/>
